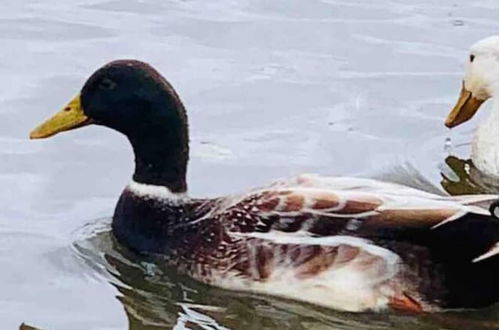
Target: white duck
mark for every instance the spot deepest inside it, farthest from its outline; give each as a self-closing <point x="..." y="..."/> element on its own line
<point x="481" y="82"/>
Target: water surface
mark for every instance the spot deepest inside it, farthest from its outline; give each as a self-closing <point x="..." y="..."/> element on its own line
<point x="273" y="89"/>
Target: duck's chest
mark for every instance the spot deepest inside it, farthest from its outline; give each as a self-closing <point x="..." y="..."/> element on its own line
<point x="485" y="148"/>
<point x="153" y="226"/>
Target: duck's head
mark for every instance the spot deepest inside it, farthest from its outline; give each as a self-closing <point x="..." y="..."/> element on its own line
<point x="481" y="80"/>
<point x="124" y="95"/>
<point x="133" y="98"/>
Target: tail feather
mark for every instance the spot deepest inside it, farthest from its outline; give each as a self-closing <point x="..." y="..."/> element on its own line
<point x="467" y="238"/>
<point x="466" y="252"/>
<point x="493" y="251"/>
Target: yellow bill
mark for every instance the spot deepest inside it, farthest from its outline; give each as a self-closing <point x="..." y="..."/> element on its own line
<point x="466" y="106"/>
<point x="72" y="116"/>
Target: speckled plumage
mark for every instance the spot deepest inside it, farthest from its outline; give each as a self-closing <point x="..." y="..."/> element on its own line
<point x="362" y="244"/>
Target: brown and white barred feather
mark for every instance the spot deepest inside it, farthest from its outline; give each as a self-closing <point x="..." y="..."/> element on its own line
<point x="317" y="239"/>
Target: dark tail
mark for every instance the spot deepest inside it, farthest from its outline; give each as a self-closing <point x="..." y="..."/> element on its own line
<point x="465" y="255"/>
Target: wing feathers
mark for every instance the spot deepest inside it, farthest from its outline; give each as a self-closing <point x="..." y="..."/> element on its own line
<point x="493" y="251"/>
<point x="370" y="207"/>
<point x="413" y="217"/>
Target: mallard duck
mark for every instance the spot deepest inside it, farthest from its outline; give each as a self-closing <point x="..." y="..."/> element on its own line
<point x="347" y="243"/>
<point x="481" y="82"/>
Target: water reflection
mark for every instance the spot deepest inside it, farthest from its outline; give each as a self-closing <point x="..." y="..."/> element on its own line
<point x="461" y="177"/>
<point x="156" y="297"/>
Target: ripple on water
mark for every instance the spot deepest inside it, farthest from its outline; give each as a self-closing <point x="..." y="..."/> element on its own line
<point x="38" y="28"/>
<point x="261" y="81"/>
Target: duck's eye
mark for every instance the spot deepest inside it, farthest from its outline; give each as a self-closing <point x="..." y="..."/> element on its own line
<point x="107" y="83"/>
<point x="472" y="57"/>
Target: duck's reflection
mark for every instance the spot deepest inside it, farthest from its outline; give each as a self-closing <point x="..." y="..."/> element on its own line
<point x="157" y="298"/>
<point x="154" y="298"/>
<point x="461" y="177"/>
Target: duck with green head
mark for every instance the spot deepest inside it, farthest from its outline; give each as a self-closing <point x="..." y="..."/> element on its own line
<point x="346" y="243"/>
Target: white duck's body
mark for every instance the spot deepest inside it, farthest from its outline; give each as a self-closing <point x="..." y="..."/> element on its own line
<point x="480" y="83"/>
<point x="485" y="145"/>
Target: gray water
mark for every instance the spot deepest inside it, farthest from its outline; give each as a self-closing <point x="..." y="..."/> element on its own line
<point x="273" y="88"/>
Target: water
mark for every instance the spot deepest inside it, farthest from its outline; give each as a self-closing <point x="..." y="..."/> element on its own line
<point x="273" y="89"/>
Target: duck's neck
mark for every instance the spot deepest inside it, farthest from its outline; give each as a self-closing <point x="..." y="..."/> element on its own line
<point x="485" y="146"/>
<point x="488" y="128"/>
<point x="162" y="152"/>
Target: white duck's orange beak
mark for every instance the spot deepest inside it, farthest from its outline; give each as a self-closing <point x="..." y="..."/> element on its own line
<point x="465" y="108"/>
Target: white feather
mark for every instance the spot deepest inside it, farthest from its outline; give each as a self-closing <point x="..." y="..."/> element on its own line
<point x="160" y="193"/>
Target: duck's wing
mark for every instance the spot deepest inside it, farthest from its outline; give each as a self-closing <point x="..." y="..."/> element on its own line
<point x="363" y="240"/>
<point x="325" y="206"/>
